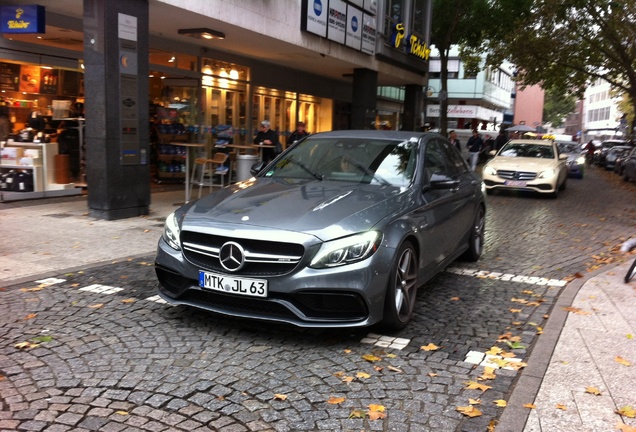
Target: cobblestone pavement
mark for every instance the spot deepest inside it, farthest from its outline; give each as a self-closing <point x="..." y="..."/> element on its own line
<point x="94" y="349"/>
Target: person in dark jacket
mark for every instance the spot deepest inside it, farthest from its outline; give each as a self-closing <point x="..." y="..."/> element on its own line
<point x="452" y="137"/>
<point x="267" y="136"/>
<point x="500" y="141"/>
<point x="296" y="135"/>
<point x="474" y="145"/>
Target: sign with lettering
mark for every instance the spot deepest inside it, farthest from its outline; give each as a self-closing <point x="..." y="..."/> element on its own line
<point x="354" y="28"/>
<point x="368" y="34"/>
<point x="418" y="47"/>
<point x="337" y="21"/>
<point x="23" y="19"/>
<point x="314" y="17"/>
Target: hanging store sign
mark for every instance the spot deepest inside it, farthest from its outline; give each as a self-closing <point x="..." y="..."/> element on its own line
<point x="23" y="19"/>
<point x="368" y="34"/>
<point x="337" y="21"/>
<point x="413" y="44"/>
<point x="342" y="22"/>
<point x="354" y="28"/>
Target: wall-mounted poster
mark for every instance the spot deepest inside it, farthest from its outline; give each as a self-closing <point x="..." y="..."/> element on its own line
<point x="368" y="34"/>
<point x="30" y="79"/>
<point x="48" y="81"/>
<point x="9" y="76"/>
<point x="337" y="23"/>
<point x="354" y="27"/>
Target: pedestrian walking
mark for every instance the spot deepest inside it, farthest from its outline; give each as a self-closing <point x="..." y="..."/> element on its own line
<point x="474" y="145"/>
<point x="452" y="136"/>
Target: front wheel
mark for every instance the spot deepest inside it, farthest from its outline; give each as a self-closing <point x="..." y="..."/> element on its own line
<point x="631" y="273"/>
<point x="476" y="239"/>
<point x="402" y="289"/>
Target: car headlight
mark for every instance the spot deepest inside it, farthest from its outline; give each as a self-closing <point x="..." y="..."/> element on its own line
<point x="171" y="232"/>
<point x="347" y="250"/>
<point x="490" y="170"/>
<point x="546" y="174"/>
<point x="580" y="160"/>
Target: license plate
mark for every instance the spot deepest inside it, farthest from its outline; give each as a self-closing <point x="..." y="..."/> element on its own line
<point x="233" y="285"/>
<point x="515" y="183"/>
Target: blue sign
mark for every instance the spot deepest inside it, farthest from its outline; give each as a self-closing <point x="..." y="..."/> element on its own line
<point x="23" y="19"/>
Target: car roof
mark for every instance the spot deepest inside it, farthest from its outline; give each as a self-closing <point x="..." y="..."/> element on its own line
<point x="375" y="134"/>
<point x="531" y="141"/>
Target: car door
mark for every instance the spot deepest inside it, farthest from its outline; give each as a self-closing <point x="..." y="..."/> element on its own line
<point x="440" y="217"/>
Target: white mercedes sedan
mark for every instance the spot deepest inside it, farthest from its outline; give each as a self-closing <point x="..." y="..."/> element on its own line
<point x="527" y="165"/>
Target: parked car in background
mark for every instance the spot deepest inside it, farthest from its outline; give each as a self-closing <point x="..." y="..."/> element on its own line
<point x="601" y="151"/>
<point x="340" y="230"/>
<point x="619" y="165"/>
<point x="576" y="158"/>
<point x="613" y="154"/>
<point x="629" y="166"/>
<point x="527" y="165"/>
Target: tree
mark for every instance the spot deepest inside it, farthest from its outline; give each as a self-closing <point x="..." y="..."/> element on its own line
<point x="469" y="24"/>
<point x="563" y="44"/>
<point x="557" y="106"/>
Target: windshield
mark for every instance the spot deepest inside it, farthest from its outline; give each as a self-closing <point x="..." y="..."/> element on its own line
<point x="513" y="149"/>
<point x="569" y="148"/>
<point x="374" y="161"/>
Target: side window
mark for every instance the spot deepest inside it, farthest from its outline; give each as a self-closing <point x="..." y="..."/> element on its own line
<point x="456" y="161"/>
<point x="435" y="160"/>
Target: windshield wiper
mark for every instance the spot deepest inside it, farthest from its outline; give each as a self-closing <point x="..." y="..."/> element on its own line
<point x="367" y="171"/>
<point x="305" y="168"/>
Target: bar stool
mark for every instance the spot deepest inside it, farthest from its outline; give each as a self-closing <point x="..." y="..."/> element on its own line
<point x="214" y="167"/>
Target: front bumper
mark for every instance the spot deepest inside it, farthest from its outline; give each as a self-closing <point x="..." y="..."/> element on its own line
<point x="345" y="296"/>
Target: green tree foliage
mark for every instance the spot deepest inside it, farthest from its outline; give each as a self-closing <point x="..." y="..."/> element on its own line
<point x="563" y="44"/>
<point x="557" y="106"/>
<point x="470" y="24"/>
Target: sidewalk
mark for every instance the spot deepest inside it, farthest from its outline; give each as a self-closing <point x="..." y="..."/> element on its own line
<point x="580" y="348"/>
<point x="583" y="364"/>
<point x="41" y="237"/>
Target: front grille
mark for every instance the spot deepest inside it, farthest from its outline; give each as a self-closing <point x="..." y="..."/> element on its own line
<point x="314" y="306"/>
<point x="516" y="175"/>
<point x="263" y="258"/>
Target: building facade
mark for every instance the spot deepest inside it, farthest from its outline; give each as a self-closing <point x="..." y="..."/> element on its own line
<point x="601" y="116"/>
<point x="209" y="70"/>
<point x="474" y="101"/>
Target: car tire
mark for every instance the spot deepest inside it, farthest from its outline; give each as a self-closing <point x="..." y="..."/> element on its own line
<point x="476" y="238"/>
<point x="401" y="291"/>
<point x="564" y="185"/>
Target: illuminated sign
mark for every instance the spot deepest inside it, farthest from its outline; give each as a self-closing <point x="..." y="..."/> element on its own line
<point x="23" y="19"/>
<point x="416" y="46"/>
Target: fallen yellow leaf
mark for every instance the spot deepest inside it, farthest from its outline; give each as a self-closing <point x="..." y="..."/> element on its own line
<point x="391" y="356"/>
<point x="627" y="411"/>
<point x="529" y="405"/>
<point x="494" y="351"/>
<point x="576" y="311"/>
<point x="469" y="411"/>
<point x="30" y="316"/>
<point x="347" y="351"/>
<point x="474" y="401"/>
<point x="455" y="298"/>
<point x="280" y="397"/>
<point x="429" y="347"/>
<point x="593" y="390"/>
<point x="359" y="413"/>
<point x="376" y="408"/>
<point x="371" y="358"/>
<point x="124" y="413"/>
<point x="514" y="310"/>
<point x="347" y="379"/>
<point x="501" y="403"/>
<point x="363" y="375"/>
<point x="375" y="415"/>
<point x="129" y="300"/>
<point x="489" y="373"/>
<point x="432" y="374"/>
<point x="333" y="400"/>
<point x="394" y="369"/>
<point x="561" y="407"/>
<point x="625" y="428"/>
<point x="474" y="385"/>
<point x="26" y="345"/>
<point x="622" y="361"/>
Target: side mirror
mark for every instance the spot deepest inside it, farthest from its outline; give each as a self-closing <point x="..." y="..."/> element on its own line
<point x="257" y="167"/>
<point x="441" y="181"/>
<point x="563" y="157"/>
<point x="492" y="152"/>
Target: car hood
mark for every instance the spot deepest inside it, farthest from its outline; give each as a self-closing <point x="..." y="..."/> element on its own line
<point x="522" y="163"/>
<point x="320" y="208"/>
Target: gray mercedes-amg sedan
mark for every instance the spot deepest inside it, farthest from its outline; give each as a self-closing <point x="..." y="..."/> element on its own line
<point x="340" y="230"/>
